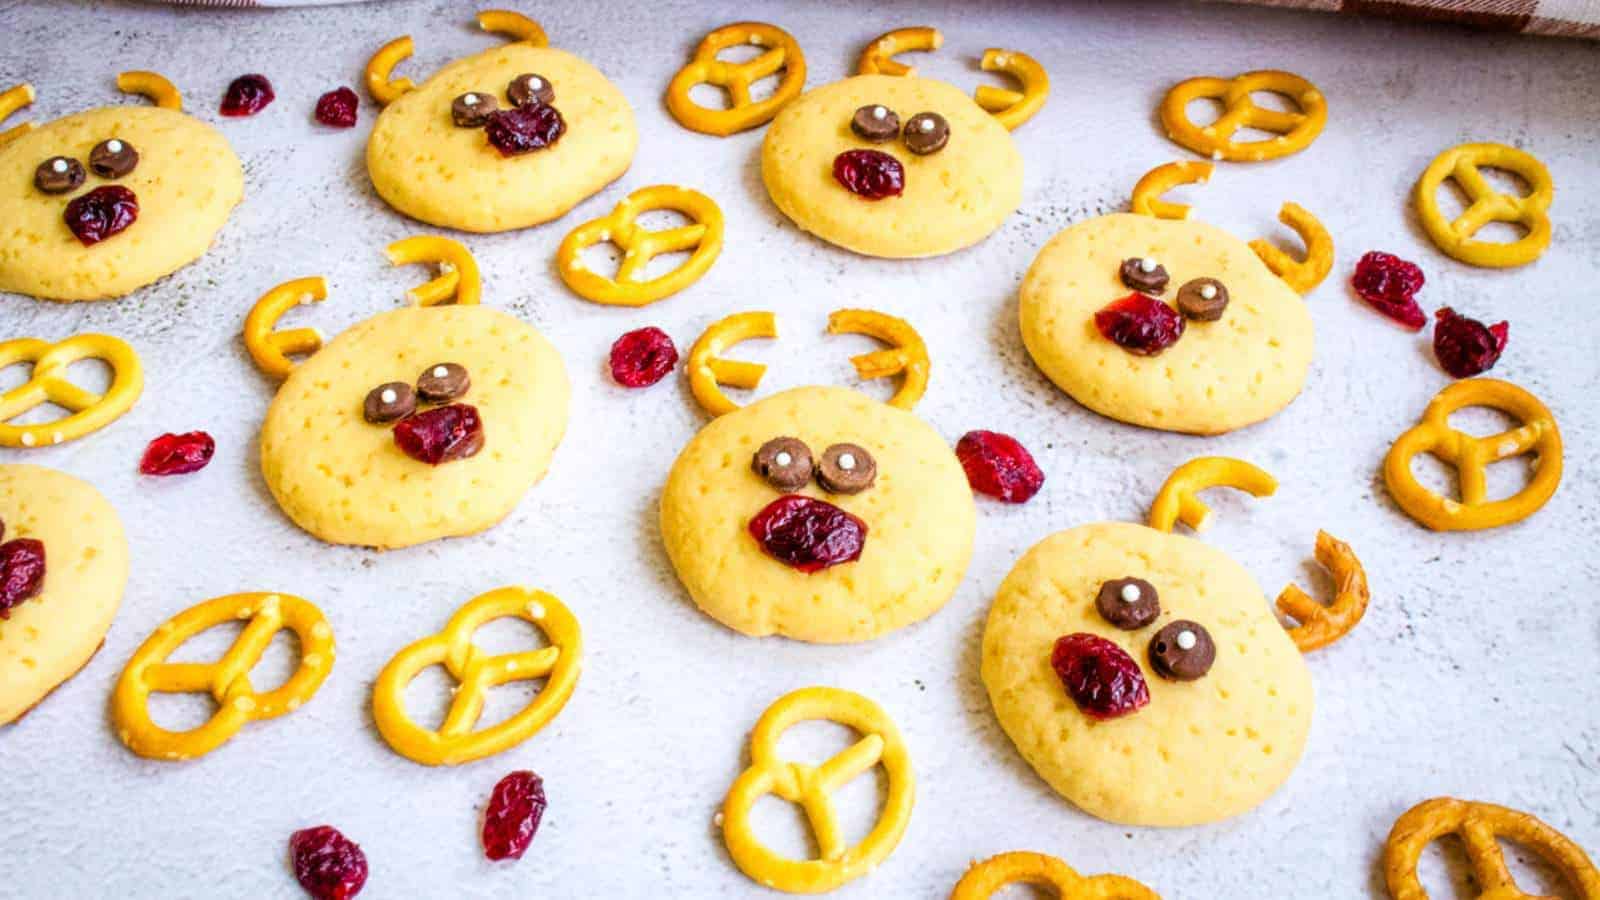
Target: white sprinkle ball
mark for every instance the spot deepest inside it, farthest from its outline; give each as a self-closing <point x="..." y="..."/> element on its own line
<point x="925" y="125"/>
<point x="389" y="396"/>
<point x="1148" y="264"/>
<point x="1187" y="640"/>
<point x="1130" y="593"/>
<point x="783" y="459"/>
<point x="470" y="99"/>
<point x="114" y="145"/>
<point x="1208" y="291"/>
<point x="880" y="112"/>
<point x="847" y="461"/>
<point x="440" y="371"/>
<point x="59" y="165"/>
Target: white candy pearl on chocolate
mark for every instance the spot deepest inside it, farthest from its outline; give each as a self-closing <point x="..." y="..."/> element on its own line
<point x="1187" y="640"/>
<point x="925" y="125"/>
<point x="1208" y="291"/>
<point x="1148" y="264"/>
<point x="114" y="145"/>
<point x="880" y="112"/>
<point x="847" y="461"/>
<point x="59" y="165"/>
<point x="536" y="82"/>
<point x="470" y="99"/>
<point x="440" y="371"/>
<point x="388" y="396"/>
<point x="783" y="459"/>
<point x="1131" y="593"/>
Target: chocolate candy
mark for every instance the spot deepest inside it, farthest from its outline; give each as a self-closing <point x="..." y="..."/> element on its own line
<point x="1203" y="299"/>
<point x="876" y="123"/>
<point x="389" y="402"/>
<point x="58" y="174"/>
<point x="1182" y="651"/>
<point x="1128" y="603"/>
<point x="1144" y="274"/>
<point x="926" y="132"/>
<point x="472" y="109"/>
<point x="442" y="382"/>
<point x="530" y="88"/>
<point x="113" y="158"/>
<point x="847" y="469"/>
<point x="785" y="463"/>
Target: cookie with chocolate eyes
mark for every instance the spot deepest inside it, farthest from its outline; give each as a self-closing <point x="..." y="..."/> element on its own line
<point x="1144" y="677"/>
<point x="819" y="514"/>
<point x="892" y="166"/>
<point x="1165" y="323"/>
<point x="103" y="202"/>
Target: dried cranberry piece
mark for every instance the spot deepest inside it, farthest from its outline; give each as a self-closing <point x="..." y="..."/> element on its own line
<point x="512" y="819"/>
<point x="808" y="534"/>
<point x="1100" y="676"/>
<point x="524" y="129"/>
<point x="1466" y="347"/>
<point x="1140" y="324"/>
<point x="21" y="573"/>
<point x="327" y="864"/>
<point x="178" y="454"/>
<point x="998" y="465"/>
<point x="1389" y="284"/>
<point x="247" y="95"/>
<point x="441" y="435"/>
<point x="872" y="174"/>
<point x="337" y="108"/>
<point x="103" y="212"/>
<point x="643" y="357"/>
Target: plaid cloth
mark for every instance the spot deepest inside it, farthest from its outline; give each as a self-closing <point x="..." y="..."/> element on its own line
<point x="1561" y="18"/>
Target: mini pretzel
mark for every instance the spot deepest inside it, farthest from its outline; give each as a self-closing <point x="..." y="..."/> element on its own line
<point x="384" y="89"/>
<point x="227" y="680"/>
<point x="1480" y="825"/>
<point x="1013" y="108"/>
<point x="1177" y="500"/>
<point x="1322" y="625"/>
<point x="514" y="25"/>
<point x="708" y="371"/>
<point x="456" y="741"/>
<point x="1019" y="867"/>
<point x="1147" y="193"/>
<point x="906" y="352"/>
<point x="152" y="85"/>
<point x="10" y="101"/>
<point x="458" y="277"/>
<point x="878" y="58"/>
<point x="48" y="383"/>
<point x="270" y="349"/>
<point x="811" y="787"/>
<point x="1471" y="456"/>
<point x="702" y="236"/>
<point x="1295" y="130"/>
<point x="1302" y="275"/>
<point x="736" y="77"/>
<point x="1464" y="165"/>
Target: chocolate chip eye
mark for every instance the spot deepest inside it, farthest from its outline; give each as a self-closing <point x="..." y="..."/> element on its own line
<point x="1144" y="274"/>
<point x="785" y="463"/>
<point x="389" y="402"/>
<point x="1182" y="651"/>
<point x="876" y="123"/>
<point x="1128" y="603"/>
<point x="926" y="132"/>
<point x="472" y="109"/>
<point x="113" y="158"/>
<point x="58" y="174"/>
<point x="1203" y="299"/>
<point x="443" y="382"/>
<point x="530" y="88"/>
<point x="847" y="469"/>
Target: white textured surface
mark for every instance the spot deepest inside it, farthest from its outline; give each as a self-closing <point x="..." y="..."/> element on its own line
<point x="1472" y="675"/>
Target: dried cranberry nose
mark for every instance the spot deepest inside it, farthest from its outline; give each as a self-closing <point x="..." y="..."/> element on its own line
<point x="101" y="213"/>
<point x="808" y="534"/>
<point x="872" y="174"/>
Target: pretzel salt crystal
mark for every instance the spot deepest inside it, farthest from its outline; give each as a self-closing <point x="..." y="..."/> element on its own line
<point x="742" y="113"/>
<point x="1322" y="625"/>
<point x="1178" y="500"/>
<point x="985" y="878"/>
<point x="708" y="371"/>
<point x="152" y="85"/>
<point x="1480" y="826"/>
<point x="458" y="278"/>
<point x="1147" y="193"/>
<point x="1302" y="275"/>
<point x="702" y="237"/>
<point x="48" y="383"/>
<point x="1012" y="108"/>
<point x="10" y="101"/>
<point x="384" y="88"/>
<point x="1463" y="165"/>
<point x="271" y="349"/>
<point x="1295" y="130"/>
<point x="906" y="353"/>
<point x="878" y="58"/>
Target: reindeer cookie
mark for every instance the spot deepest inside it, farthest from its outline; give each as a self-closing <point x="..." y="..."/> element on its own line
<point x="103" y="202"/>
<point x="504" y="139"/>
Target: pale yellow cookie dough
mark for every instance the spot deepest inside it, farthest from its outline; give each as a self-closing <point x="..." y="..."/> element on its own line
<point x="1201" y="750"/>
<point x="1219" y="376"/>
<point x="953" y="198"/>
<point x="919" y="514"/>
<point x="425" y="166"/>
<point x="343" y="479"/>
<point x="49" y="638"/>
<point x="187" y="182"/>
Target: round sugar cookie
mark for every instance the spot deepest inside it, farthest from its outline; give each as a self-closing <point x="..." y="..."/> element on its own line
<point x="1221" y="375"/>
<point x="919" y="516"/>
<point x="49" y="638"/>
<point x="952" y="198"/>
<point x="427" y="167"/>
<point x="187" y="181"/>
<point x="1201" y="750"/>
<point x="344" y="480"/>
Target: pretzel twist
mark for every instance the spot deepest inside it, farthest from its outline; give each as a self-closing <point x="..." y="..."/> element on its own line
<point x="1147" y="193"/>
<point x="1295" y="130"/>
<point x="48" y="383"/>
<point x="152" y="85"/>
<point x="983" y="879"/>
<point x="709" y="372"/>
<point x="1464" y="164"/>
<point x="1480" y="825"/>
<point x="458" y="279"/>
<point x="1322" y="625"/>
<point x="906" y="355"/>
<point x="879" y="57"/>
<point x="457" y="740"/>
<point x="1012" y="108"/>
<point x="743" y="113"/>
<point x="1302" y="275"/>
<point x="1178" y="501"/>
<point x="271" y="349"/>
<point x="514" y="25"/>
<point x="1471" y="456"/>
<point x="10" y="101"/>
<point x="227" y="680"/>
<point x="812" y="787"/>
<point x="381" y="84"/>
<point x="702" y="238"/>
